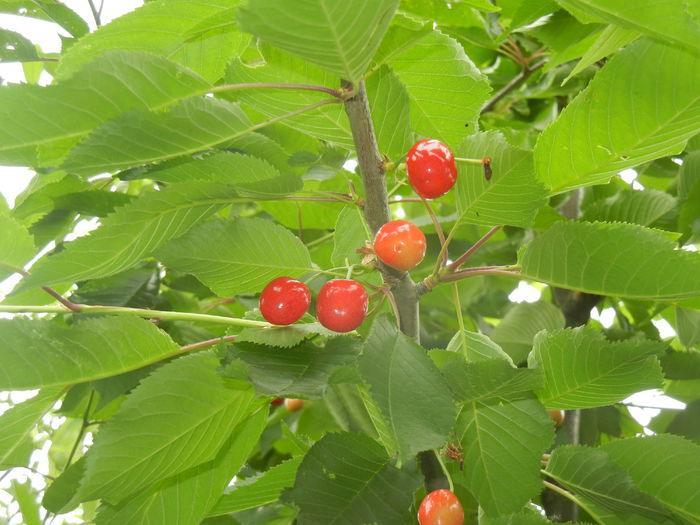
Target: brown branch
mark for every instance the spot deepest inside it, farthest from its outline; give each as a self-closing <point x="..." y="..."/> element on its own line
<point x="510" y="86"/>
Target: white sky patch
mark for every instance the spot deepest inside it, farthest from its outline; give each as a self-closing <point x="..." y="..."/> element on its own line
<point x="690" y="248"/>
<point x="664" y="327"/>
<point x="399" y="213"/>
<point x="350" y="165"/>
<point x="629" y="175"/>
<point x="525" y="293"/>
<point x="605" y="317"/>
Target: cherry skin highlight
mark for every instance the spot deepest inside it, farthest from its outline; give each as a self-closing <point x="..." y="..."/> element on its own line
<point x="440" y="507"/>
<point x="341" y="305"/>
<point x="284" y="301"/>
<point x="400" y="244"/>
<point x="431" y="168"/>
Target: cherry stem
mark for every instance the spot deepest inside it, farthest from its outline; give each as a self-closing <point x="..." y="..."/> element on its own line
<point x="556" y="488"/>
<point x="394" y="306"/>
<point x="203" y="344"/>
<point x="379" y="303"/>
<point x="273" y="85"/>
<point x="476" y="162"/>
<point x="53" y="293"/>
<point x="510" y="271"/>
<point x="438" y="229"/>
<point x="474" y="247"/>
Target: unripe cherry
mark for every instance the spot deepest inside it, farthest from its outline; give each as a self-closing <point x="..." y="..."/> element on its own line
<point x="400" y="244"/>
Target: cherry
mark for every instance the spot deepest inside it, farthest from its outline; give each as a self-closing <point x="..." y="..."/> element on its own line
<point x="431" y="168"/>
<point x="440" y="507"/>
<point x="294" y="405"/>
<point x="341" y="305"/>
<point x="284" y="301"/>
<point x="557" y="416"/>
<point x="400" y="244"/>
<point x="277" y="401"/>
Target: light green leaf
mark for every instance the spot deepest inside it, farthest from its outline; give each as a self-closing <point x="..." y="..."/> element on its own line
<point x="340" y="37"/>
<point x="638" y="207"/>
<point x="489" y="379"/>
<point x="133" y="232"/>
<point x="477" y="347"/>
<point x="63" y="113"/>
<point x="238" y="256"/>
<point x="583" y="370"/>
<point x="583" y="146"/>
<point x="17" y="423"/>
<point x="199" y="35"/>
<point x="41" y="353"/>
<point x="591" y="473"/>
<point x="260" y="490"/>
<point x="512" y="196"/>
<point x="665" y="20"/>
<point x="151" y="438"/>
<point x="282" y="336"/>
<point x="351" y="233"/>
<point x="347" y="479"/>
<point x="517" y="329"/>
<point x="446" y="90"/>
<point x="529" y="11"/>
<point x="60" y="496"/>
<point x="503" y="442"/>
<point x="138" y="138"/>
<point x="688" y="326"/>
<point x="612" y="259"/>
<point x="610" y="40"/>
<point x="15" y="47"/>
<point x="409" y="392"/>
<point x="16" y="244"/>
<point x="328" y="123"/>
<point x="664" y="466"/>
<point x="187" y="497"/>
<point x="26" y="497"/>
<point x="303" y="371"/>
<point x="389" y="106"/>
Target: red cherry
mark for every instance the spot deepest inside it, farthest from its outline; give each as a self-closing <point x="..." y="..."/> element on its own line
<point x="284" y="301"/>
<point x="294" y="405"/>
<point x="431" y="168"/>
<point x="341" y="305"/>
<point x="277" y="401"/>
<point x="400" y="244"/>
<point x="440" y="507"/>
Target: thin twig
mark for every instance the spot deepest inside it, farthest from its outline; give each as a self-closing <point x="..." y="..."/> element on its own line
<point x="510" y="271"/>
<point x="474" y="247"/>
<point x="65" y="302"/>
<point x="96" y="13"/>
<point x="556" y="488"/>
<point x="510" y="86"/>
<point x="81" y="432"/>
<point x="438" y="229"/>
<point x="209" y="342"/>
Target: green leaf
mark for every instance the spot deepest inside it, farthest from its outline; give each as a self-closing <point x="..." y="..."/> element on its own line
<point x="689" y="216"/>
<point x="351" y="233"/>
<point x="16" y="244"/>
<point x="592" y="474"/>
<point x="187" y="497"/>
<point x="340" y="37"/>
<point x="133" y="232"/>
<point x="303" y="371"/>
<point x="446" y="90"/>
<point x="516" y="331"/>
<point x="664" y="466"/>
<point x="63" y="113"/>
<point x="512" y="196"/>
<point x="610" y="40"/>
<point x="238" y="256"/>
<point x="259" y="490"/>
<point x="17" y="423"/>
<point x="688" y="326"/>
<point x="389" y="106"/>
<point x="665" y="20"/>
<point x="328" y="123"/>
<point x="177" y="418"/>
<point x="638" y="207"/>
<point x="15" y="47"/>
<point x="489" y="379"/>
<point x="476" y="347"/>
<point x="503" y="441"/>
<point x="612" y="259"/>
<point x="583" y="146"/>
<point x="583" y="370"/>
<point x="409" y="393"/>
<point x="135" y="288"/>
<point x="347" y="479"/>
<point x="138" y="138"/>
<point x="198" y="35"/>
<point x="527" y="516"/>
<point x="60" y="496"/>
<point x="40" y="353"/>
<point x="26" y="497"/>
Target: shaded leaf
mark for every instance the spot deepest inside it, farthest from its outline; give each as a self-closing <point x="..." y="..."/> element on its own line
<point x="639" y="207"/>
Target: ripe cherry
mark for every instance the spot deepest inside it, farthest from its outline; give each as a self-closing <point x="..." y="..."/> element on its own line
<point x="294" y="405"/>
<point x="440" y="507"/>
<point x="342" y="305"/>
<point x="277" y="401"/>
<point x="431" y="168"/>
<point x="284" y="301"/>
<point x="557" y="416"/>
<point x="400" y="244"/>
